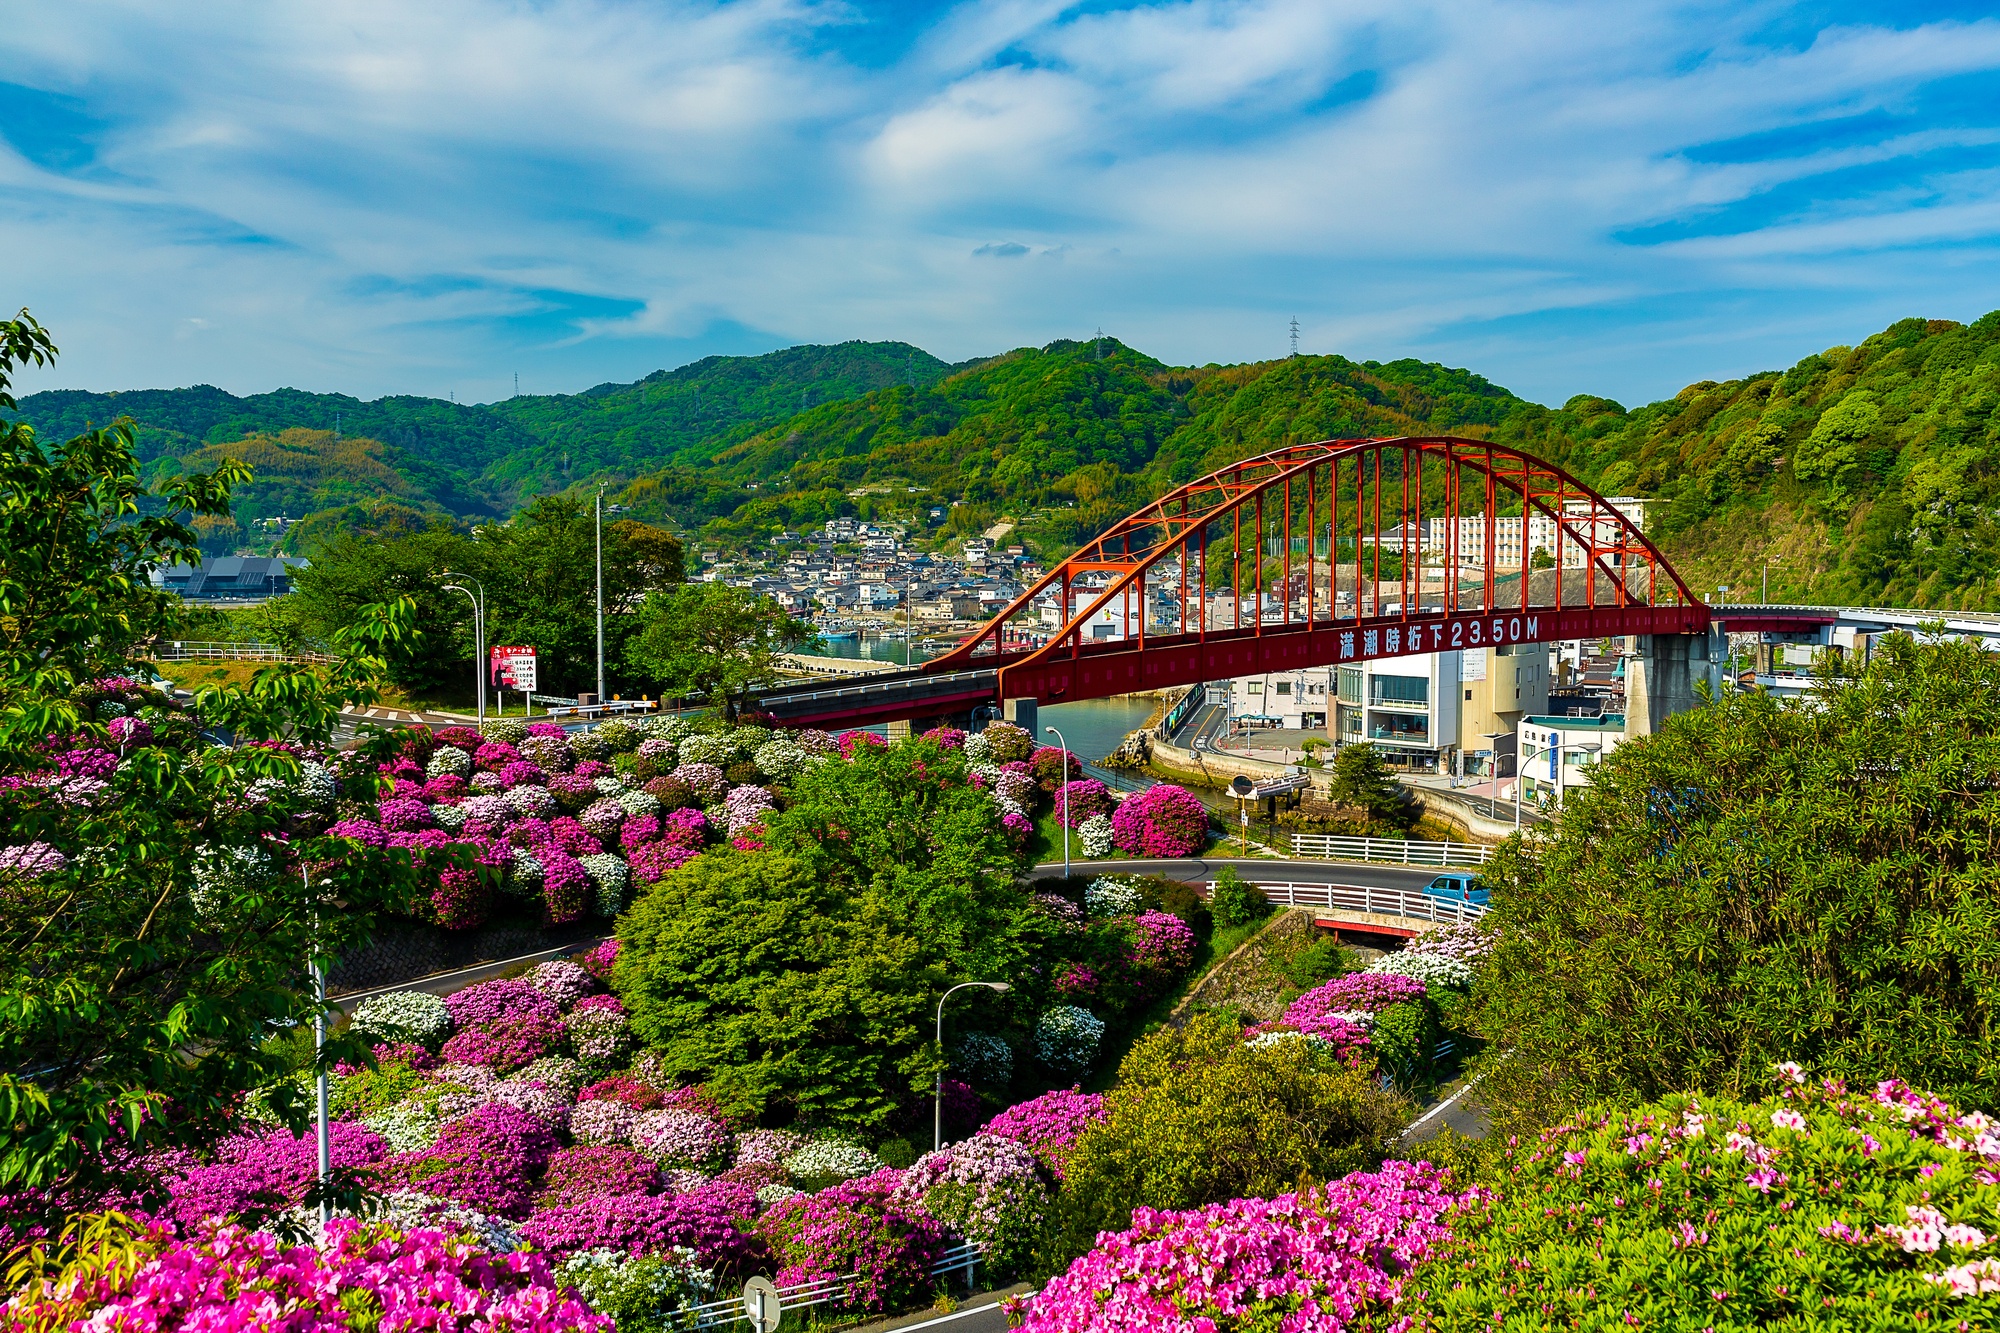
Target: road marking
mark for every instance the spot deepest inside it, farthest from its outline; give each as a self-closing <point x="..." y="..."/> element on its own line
<point x="1440" y="1108"/>
<point x="959" y="1314"/>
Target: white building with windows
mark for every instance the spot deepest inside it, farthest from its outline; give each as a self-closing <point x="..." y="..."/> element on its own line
<point x="1557" y="753"/>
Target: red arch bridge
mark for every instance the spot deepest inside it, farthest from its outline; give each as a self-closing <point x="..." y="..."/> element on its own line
<point x="1313" y="555"/>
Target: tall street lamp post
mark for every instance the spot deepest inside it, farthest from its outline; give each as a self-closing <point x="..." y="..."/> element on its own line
<point x="600" y="594"/>
<point x="937" y="1112"/>
<point x="1065" y="791"/>
<point x="479" y="666"/>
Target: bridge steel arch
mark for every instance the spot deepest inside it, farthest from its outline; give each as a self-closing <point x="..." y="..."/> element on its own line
<point x="1367" y="495"/>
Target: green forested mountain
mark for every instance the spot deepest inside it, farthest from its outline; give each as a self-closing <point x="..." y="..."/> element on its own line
<point x="1865" y="473"/>
<point x="443" y="450"/>
<point x="685" y="417"/>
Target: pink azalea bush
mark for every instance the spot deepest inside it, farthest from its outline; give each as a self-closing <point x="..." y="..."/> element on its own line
<point x="860" y="1227"/>
<point x="1049" y="1124"/>
<point x="713" y="1220"/>
<point x="1162" y="943"/>
<point x="1161" y="821"/>
<point x="577" y="1175"/>
<point x="1309" y="1262"/>
<point x="265" y="1171"/>
<point x="488" y="1160"/>
<point x="425" y="1281"/>
<point x="1078" y="800"/>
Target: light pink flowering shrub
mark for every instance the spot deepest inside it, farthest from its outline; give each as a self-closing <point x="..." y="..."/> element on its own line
<point x="1049" y="1124"/>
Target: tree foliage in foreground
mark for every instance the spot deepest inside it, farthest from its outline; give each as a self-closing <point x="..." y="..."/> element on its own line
<point x="1761" y="881"/>
<point x="127" y="1014"/>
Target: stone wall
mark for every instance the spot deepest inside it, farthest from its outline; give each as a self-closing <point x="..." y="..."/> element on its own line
<point x="1240" y="981"/>
<point x="404" y="950"/>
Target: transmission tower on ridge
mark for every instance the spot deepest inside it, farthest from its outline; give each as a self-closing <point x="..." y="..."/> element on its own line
<point x="1295" y="335"/>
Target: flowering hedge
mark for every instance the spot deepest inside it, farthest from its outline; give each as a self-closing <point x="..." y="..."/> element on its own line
<point x="1818" y="1207"/>
<point x="1163" y="821"/>
<point x="1049" y="1124"/>
<point x="426" y="1280"/>
<point x="858" y="1227"/>
<point x="1306" y="1262"/>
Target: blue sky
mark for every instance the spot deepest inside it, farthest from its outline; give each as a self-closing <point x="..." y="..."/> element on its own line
<point x="391" y="198"/>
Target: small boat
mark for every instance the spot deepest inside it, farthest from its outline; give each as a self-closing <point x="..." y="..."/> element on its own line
<point x="841" y="634"/>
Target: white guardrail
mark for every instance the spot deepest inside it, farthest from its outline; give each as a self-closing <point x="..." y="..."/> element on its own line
<point x="188" y="650"/>
<point x="1396" y="851"/>
<point x="731" y="1310"/>
<point x="1412" y="903"/>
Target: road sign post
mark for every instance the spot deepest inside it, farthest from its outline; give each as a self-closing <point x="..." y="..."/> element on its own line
<point x="761" y="1306"/>
<point x="1241" y="787"/>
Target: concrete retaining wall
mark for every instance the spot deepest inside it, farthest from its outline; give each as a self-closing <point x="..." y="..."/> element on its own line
<point x="1237" y="980"/>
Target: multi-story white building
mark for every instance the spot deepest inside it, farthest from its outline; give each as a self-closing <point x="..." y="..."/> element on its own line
<point x="1557" y="753"/>
<point x="1428" y="712"/>
<point x="1544" y="535"/>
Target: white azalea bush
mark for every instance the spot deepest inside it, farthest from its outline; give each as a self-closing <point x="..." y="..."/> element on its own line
<point x="1067" y="1039"/>
<point x="983" y="1058"/>
<point x="1111" y="895"/>
<point x="404" y="1015"/>
<point x="1096" y="834"/>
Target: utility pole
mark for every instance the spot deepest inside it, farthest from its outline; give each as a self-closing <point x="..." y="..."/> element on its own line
<point x="600" y="594"/>
<point x="517" y="384"/>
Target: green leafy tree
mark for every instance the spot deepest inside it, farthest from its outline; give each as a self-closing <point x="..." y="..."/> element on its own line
<point x="540" y="576"/>
<point x="1763" y="881"/>
<point x="127" y="1014"/>
<point x="714" y="642"/>
<point x="789" y="996"/>
<point x="1198" y="1117"/>
<point x="800" y="980"/>
<point x="1361" y="779"/>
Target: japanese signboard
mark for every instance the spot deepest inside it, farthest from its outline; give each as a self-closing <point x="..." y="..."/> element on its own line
<point x="514" y="668"/>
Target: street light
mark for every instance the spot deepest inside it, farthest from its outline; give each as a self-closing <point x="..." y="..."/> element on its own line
<point x="937" y="1109"/>
<point x="600" y="594"/>
<point x="1493" y="762"/>
<point x="1065" y="795"/>
<point x="478" y="635"/>
<point x="319" y="1068"/>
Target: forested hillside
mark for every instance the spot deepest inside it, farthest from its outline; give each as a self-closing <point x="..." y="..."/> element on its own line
<point x="685" y="417"/>
<point x="1862" y="474"/>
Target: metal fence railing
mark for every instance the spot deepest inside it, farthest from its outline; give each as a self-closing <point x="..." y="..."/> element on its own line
<point x="191" y="650"/>
<point x="830" y="1290"/>
<point x="1361" y="898"/>
<point x="1394" y="851"/>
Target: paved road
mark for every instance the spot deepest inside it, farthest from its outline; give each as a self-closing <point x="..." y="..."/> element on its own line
<point x="1201" y="869"/>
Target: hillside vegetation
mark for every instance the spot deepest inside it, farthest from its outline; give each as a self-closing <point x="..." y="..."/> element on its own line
<point x="1862" y="474"/>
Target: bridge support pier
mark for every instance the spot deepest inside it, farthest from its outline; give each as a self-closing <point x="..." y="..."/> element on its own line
<point x="1660" y="680"/>
<point x="1024" y="713"/>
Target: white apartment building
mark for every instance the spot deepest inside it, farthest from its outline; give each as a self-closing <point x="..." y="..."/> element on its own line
<point x="1543" y="535"/>
<point x="1426" y="712"/>
<point x="1557" y="753"/>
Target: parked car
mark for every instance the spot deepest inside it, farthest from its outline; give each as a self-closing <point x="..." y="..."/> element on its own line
<point x="1459" y="887"/>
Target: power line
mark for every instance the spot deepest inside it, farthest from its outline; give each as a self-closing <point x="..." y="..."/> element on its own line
<point x="1295" y="335"/>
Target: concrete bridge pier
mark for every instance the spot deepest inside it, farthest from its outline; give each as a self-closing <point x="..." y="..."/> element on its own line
<point x="1660" y="679"/>
<point x="1024" y="713"/>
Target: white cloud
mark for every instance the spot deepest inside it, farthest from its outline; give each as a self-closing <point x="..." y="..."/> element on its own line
<point x="376" y="197"/>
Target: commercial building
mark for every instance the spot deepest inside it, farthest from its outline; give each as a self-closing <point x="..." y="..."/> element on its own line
<point x="1557" y="753"/>
<point x="1426" y="712"/>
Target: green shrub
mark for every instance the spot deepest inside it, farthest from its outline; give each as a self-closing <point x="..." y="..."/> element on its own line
<point x="897" y="1153"/>
<point x="1816" y="1209"/>
<point x="375" y="1090"/>
<point x="1312" y="960"/>
<point x="1759" y="881"/>
<point x="1234" y="902"/>
<point x="1197" y="1117"/>
<point x="1404" y="1040"/>
<point x="1182" y="899"/>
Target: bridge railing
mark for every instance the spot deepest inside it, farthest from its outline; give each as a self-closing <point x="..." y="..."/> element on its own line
<point x="1410" y="903"/>
<point x="1393" y="851"/>
<point x="205" y="651"/>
